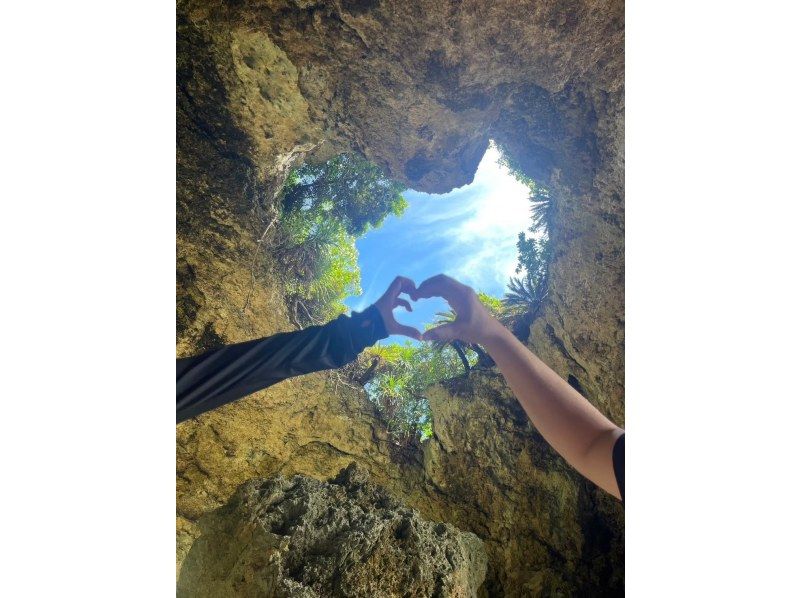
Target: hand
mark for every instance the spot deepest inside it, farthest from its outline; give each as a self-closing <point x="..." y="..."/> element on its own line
<point x="390" y="300"/>
<point x="473" y="323"/>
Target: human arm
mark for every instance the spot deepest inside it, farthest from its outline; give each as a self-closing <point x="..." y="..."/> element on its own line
<point x="566" y="420"/>
<point x="223" y="375"/>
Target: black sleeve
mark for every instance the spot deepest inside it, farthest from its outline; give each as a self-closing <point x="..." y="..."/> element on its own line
<point x="618" y="457"/>
<point x="231" y="372"/>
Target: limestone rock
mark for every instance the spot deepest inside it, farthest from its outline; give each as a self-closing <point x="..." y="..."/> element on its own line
<point x="547" y="531"/>
<point x="300" y="537"/>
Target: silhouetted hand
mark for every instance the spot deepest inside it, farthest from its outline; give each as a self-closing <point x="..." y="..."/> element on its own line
<point x="473" y="323"/>
<point x="390" y="300"/>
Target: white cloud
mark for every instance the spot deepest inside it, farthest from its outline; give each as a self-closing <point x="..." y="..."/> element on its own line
<point x="486" y="238"/>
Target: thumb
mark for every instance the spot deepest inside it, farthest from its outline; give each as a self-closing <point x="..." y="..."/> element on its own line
<point x="445" y="332"/>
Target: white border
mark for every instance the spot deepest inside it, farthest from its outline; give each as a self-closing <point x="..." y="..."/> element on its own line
<point x="88" y="302"/>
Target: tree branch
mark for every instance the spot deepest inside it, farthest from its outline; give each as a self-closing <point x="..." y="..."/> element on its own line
<point x="457" y="346"/>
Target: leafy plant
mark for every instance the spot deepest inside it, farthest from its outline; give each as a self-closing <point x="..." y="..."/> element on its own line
<point x="324" y="263"/>
<point x="526" y="292"/>
<point x="542" y="208"/>
<point x="493" y="304"/>
<point x="324" y="208"/>
<point x="524" y="295"/>
<point x="348" y="189"/>
<point x="398" y="388"/>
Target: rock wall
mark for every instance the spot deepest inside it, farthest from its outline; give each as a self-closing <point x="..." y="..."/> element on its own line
<point x="300" y="537"/>
<point x="419" y="87"/>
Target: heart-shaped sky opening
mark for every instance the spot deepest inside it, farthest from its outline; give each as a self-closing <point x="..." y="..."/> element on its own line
<point x="469" y="233"/>
<point x="423" y="314"/>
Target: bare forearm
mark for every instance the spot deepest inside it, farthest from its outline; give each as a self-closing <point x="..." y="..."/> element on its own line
<point x="572" y="426"/>
<point x="566" y="420"/>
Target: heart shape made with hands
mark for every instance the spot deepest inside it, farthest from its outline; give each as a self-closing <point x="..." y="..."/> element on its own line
<point x="460" y="297"/>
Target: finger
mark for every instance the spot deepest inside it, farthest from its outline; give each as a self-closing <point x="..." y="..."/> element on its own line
<point x="400" y="284"/>
<point x="445" y="332"/>
<point x="393" y="290"/>
<point x="407" y="285"/>
<point x="402" y="303"/>
<point x="407" y="331"/>
<point x="436" y="286"/>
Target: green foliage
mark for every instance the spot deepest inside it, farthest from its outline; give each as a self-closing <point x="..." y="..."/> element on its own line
<point x="493" y="304"/>
<point x="534" y="252"/>
<point x="393" y="354"/>
<point x="542" y="205"/>
<point x="346" y="188"/>
<point x="523" y="295"/>
<point x="533" y="255"/>
<point x="326" y="263"/>
<point x="526" y="292"/>
<point x="398" y="389"/>
<point x="325" y="207"/>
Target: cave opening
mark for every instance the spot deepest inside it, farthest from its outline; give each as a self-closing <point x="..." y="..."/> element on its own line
<point x="347" y="230"/>
<point x="470" y="233"/>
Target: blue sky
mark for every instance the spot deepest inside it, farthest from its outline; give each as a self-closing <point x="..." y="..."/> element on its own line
<point x="469" y="234"/>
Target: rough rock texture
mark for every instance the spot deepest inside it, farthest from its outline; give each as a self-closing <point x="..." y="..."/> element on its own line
<point x="418" y="87"/>
<point x="547" y="531"/>
<point x="300" y="537"/>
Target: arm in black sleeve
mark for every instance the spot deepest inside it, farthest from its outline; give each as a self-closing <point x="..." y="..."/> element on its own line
<point x="223" y="375"/>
